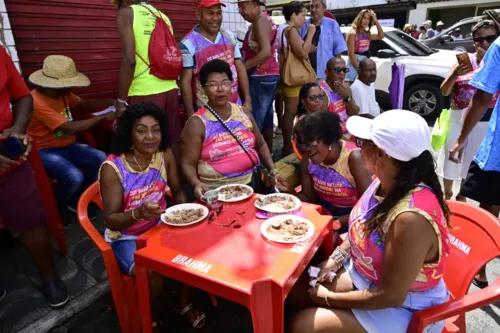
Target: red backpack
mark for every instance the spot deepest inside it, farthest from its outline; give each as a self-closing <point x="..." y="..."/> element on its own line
<point x="165" y="60"/>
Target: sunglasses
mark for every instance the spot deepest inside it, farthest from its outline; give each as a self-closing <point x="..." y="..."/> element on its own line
<point x="489" y="39"/>
<point x="314" y="98"/>
<point x="339" y="70"/>
<point x="309" y="145"/>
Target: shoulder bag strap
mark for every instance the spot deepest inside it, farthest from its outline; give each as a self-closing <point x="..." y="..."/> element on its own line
<point x="216" y="115"/>
<point x="137" y="54"/>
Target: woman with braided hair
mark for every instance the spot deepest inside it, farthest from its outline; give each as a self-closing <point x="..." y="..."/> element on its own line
<point x="483" y="177"/>
<point x="392" y="262"/>
<point x="457" y="85"/>
<point x="491" y="15"/>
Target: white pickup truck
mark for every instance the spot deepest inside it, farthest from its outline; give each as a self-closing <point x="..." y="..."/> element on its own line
<point x="425" y="71"/>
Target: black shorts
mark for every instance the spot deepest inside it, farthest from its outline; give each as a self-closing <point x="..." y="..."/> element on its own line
<point x="482" y="186"/>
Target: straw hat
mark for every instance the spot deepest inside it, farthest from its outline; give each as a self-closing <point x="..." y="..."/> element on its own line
<point x="59" y="72"/>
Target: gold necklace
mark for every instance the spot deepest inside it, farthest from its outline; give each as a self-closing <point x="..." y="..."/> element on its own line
<point x="135" y="159"/>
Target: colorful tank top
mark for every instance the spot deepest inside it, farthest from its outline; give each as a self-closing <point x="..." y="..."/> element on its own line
<point x="250" y="48"/>
<point x="138" y="187"/>
<point x="205" y="51"/>
<point x="336" y="105"/>
<point x="222" y="160"/>
<point x="362" y="43"/>
<point x="367" y="250"/>
<point x="463" y="91"/>
<point x="335" y="183"/>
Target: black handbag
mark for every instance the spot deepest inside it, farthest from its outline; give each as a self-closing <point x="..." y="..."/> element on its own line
<point x="261" y="179"/>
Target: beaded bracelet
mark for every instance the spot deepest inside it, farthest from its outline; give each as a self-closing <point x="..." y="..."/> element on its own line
<point x="340" y="256"/>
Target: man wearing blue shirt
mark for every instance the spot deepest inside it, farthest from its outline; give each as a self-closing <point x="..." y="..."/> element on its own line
<point x="328" y="41"/>
<point x="483" y="179"/>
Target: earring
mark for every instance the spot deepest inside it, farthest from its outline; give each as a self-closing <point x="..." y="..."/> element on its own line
<point x="330" y="148"/>
<point x="132" y="147"/>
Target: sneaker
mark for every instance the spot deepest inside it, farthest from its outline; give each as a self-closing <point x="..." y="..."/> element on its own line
<point x="278" y="130"/>
<point x="3" y="292"/>
<point x="92" y="214"/>
<point x="72" y="209"/>
<point x="55" y="293"/>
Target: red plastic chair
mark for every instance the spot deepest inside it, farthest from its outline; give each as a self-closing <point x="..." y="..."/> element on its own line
<point x="123" y="288"/>
<point x="474" y="241"/>
<point x="54" y="222"/>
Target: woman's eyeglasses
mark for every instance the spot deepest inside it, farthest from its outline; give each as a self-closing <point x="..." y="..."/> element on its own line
<point x="309" y="145"/>
<point x="489" y="39"/>
<point x="314" y="98"/>
<point x="339" y="70"/>
<point x="226" y="84"/>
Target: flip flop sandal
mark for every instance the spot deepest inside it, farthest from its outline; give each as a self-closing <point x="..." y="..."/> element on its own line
<point x="480" y="284"/>
<point x="188" y="308"/>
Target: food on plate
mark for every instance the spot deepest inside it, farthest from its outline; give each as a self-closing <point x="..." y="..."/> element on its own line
<point x="287" y="230"/>
<point x="184" y="215"/>
<point x="233" y="192"/>
<point x="276" y="202"/>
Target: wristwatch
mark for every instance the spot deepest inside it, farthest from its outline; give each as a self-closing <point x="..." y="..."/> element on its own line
<point x="348" y="99"/>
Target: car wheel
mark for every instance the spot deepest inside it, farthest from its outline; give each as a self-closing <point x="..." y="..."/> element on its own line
<point x="424" y="99"/>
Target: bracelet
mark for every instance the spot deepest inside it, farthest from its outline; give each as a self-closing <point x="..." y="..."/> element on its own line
<point x="340" y="256"/>
<point x="122" y="101"/>
<point x="274" y="172"/>
<point x="326" y="299"/>
<point x="135" y="219"/>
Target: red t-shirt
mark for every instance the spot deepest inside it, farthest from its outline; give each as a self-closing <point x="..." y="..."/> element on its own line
<point x="12" y="87"/>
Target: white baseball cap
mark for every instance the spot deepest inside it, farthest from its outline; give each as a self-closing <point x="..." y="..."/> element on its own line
<point x="402" y="134"/>
<point x="439" y="23"/>
<point x="429" y="22"/>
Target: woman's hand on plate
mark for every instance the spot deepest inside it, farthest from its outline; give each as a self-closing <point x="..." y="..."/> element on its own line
<point x="282" y="185"/>
<point x="149" y="211"/>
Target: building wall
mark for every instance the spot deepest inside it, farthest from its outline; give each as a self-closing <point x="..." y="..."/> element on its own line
<point x="232" y="20"/>
<point x="420" y="14"/>
<point x="341" y="4"/>
<point x="84" y="30"/>
<point x="6" y="37"/>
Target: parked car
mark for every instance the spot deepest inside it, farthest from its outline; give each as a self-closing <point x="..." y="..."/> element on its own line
<point x="446" y="42"/>
<point x="425" y="70"/>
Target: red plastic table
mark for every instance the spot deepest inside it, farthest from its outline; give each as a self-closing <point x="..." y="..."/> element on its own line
<point x="235" y="262"/>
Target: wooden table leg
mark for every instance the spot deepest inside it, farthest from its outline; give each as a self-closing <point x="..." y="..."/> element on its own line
<point x="142" y="280"/>
<point x="267" y="308"/>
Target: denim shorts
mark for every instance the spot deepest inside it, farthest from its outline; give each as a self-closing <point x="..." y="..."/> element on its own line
<point x="395" y="320"/>
<point x="353" y="72"/>
<point x="124" y="252"/>
<point x="262" y="92"/>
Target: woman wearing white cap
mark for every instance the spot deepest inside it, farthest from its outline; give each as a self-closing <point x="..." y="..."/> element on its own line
<point x="383" y="271"/>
